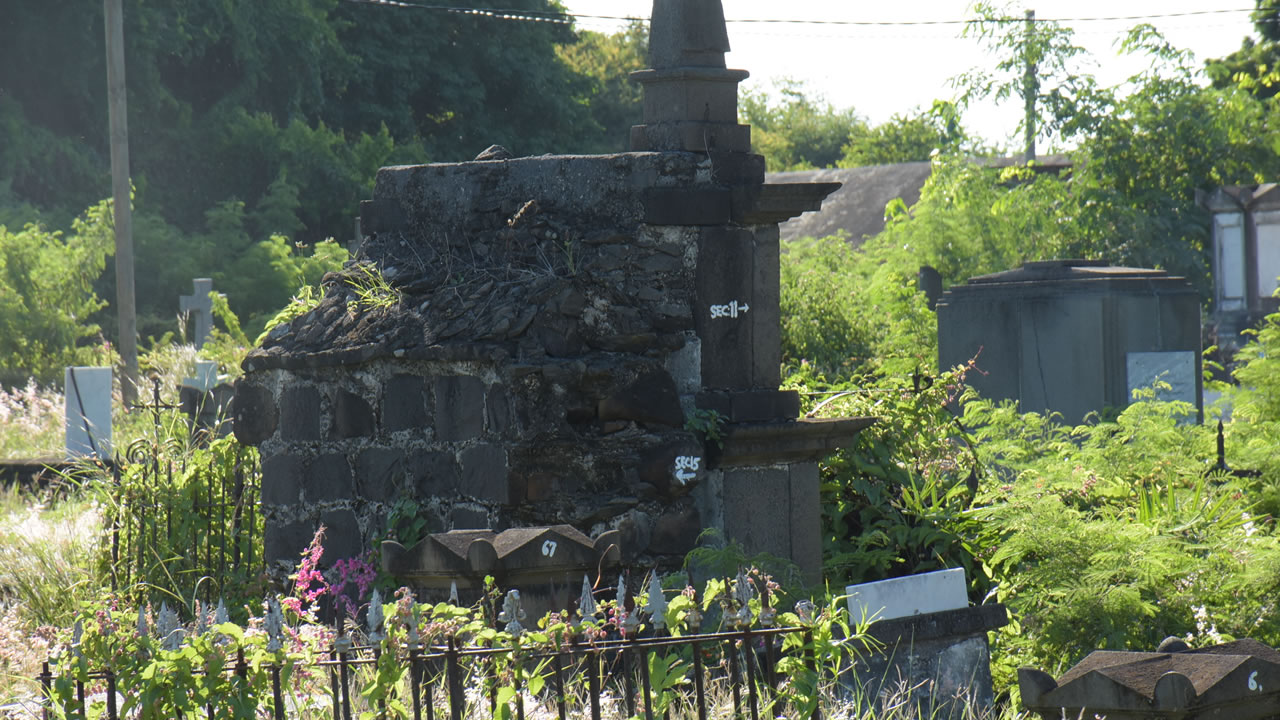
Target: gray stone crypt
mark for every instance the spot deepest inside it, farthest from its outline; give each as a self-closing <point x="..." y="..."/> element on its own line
<point x="522" y="342"/>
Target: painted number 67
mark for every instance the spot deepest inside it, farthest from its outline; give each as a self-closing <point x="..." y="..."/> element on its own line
<point x="1253" y="682"/>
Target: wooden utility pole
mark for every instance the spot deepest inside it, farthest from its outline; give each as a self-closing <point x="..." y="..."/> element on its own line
<point x="1030" y="90"/>
<point x="121" y="191"/>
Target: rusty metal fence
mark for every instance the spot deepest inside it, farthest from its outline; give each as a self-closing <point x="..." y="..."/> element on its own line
<point x="720" y="673"/>
<point x="180" y="510"/>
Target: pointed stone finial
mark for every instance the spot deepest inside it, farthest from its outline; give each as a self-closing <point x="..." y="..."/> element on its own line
<point x="657" y="603"/>
<point x="587" y="602"/>
<point x="690" y="98"/>
<point x="453" y="592"/>
<point x="687" y="33"/>
<point x="375" y="618"/>
<point x="274" y="625"/>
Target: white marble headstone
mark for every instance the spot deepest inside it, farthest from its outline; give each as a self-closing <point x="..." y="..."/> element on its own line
<point x="88" y="412"/>
<point x="906" y="596"/>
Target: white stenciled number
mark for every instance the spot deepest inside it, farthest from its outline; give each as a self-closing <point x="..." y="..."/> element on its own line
<point x="1253" y="681"/>
<point x="732" y="310"/>
<point x="549" y="548"/>
<point x="687" y="468"/>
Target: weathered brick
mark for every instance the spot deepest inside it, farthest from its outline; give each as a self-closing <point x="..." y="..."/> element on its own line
<point x="281" y="480"/>
<point x="352" y="416"/>
<point x="380" y="474"/>
<point x="404" y="404"/>
<point x="497" y="405"/>
<point x="254" y="413"/>
<point x="300" y="414"/>
<point x="434" y="473"/>
<point x="484" y="474"/>
<point x="459" y="407"/>
<point x="342" y="535"/>
<point x="329" y="478"/>
<point x="286" y="541"/>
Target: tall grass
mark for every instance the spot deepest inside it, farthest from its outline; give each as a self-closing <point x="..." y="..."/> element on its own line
<point x="47" y="557"/>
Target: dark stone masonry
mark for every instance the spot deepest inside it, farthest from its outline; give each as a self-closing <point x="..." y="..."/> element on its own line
<point x="536" y="334"/>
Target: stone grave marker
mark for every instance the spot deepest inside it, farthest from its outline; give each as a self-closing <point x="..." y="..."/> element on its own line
<point x="88" y="412"/>
<point x="199" y="307"/>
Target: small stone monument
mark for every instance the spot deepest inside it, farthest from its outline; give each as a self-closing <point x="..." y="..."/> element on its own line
<point x="199" y="307"/>
<point x="206" y="401"/>
<point x="930" y="640"/>
<point x="88" y="412"/>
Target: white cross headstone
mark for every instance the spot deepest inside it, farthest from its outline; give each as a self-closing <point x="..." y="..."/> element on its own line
<point x="206" y="376"/>
<point x="199" y="305"/>
<point x="88" y="412"/>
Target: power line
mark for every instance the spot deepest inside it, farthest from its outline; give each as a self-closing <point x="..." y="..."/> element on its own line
<point x="569" y="18"/>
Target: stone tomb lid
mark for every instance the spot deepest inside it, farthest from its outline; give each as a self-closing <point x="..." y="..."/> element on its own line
<point x="472" y="554"/>
<point x="1070" y="269"/>
<point x="1243" y="675"/>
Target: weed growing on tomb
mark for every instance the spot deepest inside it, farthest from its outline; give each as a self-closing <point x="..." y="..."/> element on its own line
<point x="372" y="290"/>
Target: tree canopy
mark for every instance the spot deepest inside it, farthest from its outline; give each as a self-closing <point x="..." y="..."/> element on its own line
<point x="256" y="126"/>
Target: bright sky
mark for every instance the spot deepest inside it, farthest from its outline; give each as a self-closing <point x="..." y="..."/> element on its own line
<point x="883" y="70"/>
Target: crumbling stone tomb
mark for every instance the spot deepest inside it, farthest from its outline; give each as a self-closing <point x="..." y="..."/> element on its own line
<point x="538" y="332"/>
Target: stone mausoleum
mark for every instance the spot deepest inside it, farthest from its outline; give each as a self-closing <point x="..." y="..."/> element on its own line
<point x="522" y="341"/>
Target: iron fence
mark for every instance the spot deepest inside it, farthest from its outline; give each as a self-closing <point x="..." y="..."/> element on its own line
<point x="453" y="681"/>
<point x="181" y="510"/>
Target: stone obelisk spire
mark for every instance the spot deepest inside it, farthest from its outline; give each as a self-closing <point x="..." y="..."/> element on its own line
<point x="690" y="98"/>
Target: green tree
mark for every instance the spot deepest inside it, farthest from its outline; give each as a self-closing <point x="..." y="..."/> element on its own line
<point x="47" y="298"/>
<point x="906" y="138"/>
<point x="1256" y="65"/>
<point x="614" y="101"/>
<point x="796" y="131"/>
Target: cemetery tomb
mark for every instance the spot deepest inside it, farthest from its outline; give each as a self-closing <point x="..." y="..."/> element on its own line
<point x="589" y="341"/>
<point x="1239" y="679"/>
<point x="929" y="639"/>
<point x="1074" y="336"/>
<point x="1246" y="256"/>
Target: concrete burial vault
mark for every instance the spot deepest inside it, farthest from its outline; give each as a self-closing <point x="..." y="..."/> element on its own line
<point x="546" y="328"/>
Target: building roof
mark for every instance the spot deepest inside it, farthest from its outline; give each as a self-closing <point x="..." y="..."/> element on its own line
<point x="857" y="208"/>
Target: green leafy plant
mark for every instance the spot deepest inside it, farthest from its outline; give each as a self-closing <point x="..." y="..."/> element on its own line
<point x="372" y="290"/>
<point x="708" y="424"/>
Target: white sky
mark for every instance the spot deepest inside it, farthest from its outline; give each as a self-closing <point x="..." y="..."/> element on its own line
<point x="880" y="71"/>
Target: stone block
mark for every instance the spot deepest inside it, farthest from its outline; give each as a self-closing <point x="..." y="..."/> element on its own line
<point x="757" y="509"/>
<point x="254" y="413"/>
<point x="906" y="596"/>
<point x="673" y="468"/>
<point x="635" y="531"/>
<point x="806" y="520"/>
<point x="723" y="307"/>
<point x="300" y="414"/>
<point x="380" y="474"/>
<point x="281" y="480"/>
<point x="683" y="206"/>
<point x="484" y="474"/>
<point x="382" y="215"/>
<point x="329" y="479"/>
<point x="465" y="517"/>
<point x="752" y="405"/>
<point x="286" y="541"/>
<point x="766" y="325"/>
<point x="702" y="137"/>
<point x="497" y="405"/>
<point x="342" y="538"/>
<point x="676" y="531"/>
<point x="434" y="473"/>
<point x="352" y="416"/>
<point x="652" y="399"/>
<point x="459" y="408"/>
<point x="404" y="405"/>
